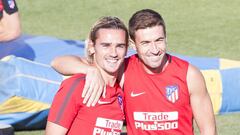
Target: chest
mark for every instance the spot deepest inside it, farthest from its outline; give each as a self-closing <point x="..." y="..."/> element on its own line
<point x="98" y="119"/>
<point x="161" y="91"/>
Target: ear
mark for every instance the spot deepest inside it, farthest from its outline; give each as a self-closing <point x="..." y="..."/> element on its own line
<point x="90" y="47"/>
<point x="91" y="50"/>
<point x="132" y="44"/>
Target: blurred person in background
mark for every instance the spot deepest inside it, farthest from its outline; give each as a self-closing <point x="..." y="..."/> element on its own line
<point x="10" y="27"/>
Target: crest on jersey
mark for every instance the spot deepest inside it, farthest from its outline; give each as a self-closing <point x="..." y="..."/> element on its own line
<point x="120" y="102"/>
<point x="11" y="4"/>
<point x="172" y="93"/>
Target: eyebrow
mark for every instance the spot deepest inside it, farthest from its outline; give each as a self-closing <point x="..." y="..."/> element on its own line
<point x="121" y="44"/>
<point x="160" y="38"/>
<point x="105" y="43"/>
<point x="144" y="41"/>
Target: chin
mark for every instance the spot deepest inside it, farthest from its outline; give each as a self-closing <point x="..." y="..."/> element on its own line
<point x="111" y="71"/>
<point x="154" y="65"/>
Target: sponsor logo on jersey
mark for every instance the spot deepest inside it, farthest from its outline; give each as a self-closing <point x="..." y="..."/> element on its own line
<point x="155" y="116"/>
<point x="136" y="94"/>
<point x="11" y="4"/>
<point x="172" y="93"/>
<point x="156" y="120"/>
<point x="107" y="127"/>
<point x="120" y="102"/>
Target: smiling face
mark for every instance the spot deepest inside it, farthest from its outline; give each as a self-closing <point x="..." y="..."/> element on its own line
<point x="110" y="49"/>
<point x="151" y="46"/>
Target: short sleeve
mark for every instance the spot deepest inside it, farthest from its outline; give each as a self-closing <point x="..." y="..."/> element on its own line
<point x="65" y="105"/>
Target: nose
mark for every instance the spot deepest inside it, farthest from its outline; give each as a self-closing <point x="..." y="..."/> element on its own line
<point x="154" y="48"/>
<point x="113" y="52"/>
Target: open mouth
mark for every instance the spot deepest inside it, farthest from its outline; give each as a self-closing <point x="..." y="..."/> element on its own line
<point x="112" y="60"/>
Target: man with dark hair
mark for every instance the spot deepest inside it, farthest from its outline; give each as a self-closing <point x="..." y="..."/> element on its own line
<point x="9" y="20"/>
<point x="163" y="94"/>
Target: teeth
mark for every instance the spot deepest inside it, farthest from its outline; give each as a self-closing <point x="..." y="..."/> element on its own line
<point x="112" y="60"/>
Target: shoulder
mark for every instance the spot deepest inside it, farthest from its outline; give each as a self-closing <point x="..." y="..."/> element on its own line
<point x="131" y="59"/>
<point x="194" y="72"/>
<point x="178" y="65"/>
<point x="74" y="81"/>
<point x="178" y="60"/>
<point x="195" y="79"/>
<point x="75" y="77"/>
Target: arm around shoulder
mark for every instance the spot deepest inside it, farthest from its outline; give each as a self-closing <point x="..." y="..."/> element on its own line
<point x="200" y="102"/>
<point x="94" y="86"/>
<point x="70" y="64"/>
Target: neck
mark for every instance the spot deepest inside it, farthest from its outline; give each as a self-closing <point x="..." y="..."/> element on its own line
<point x="109" y="79"/>
<point x="159" y="69"/>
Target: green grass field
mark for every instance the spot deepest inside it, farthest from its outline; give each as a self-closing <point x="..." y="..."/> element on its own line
<point x="198" y="28"/>
<point x="194" y="28"/>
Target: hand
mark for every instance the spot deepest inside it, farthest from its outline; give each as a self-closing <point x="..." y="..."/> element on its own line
<point x="94" y="87"/>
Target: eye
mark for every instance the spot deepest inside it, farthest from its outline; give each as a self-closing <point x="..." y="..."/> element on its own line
<point x="105" y="45"/>
<point x="159" y="40"/>
<point x="121" y="46"/>
<point x="144" y="43"/>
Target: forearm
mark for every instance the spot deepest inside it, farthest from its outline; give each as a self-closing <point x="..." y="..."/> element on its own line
<point x="205" y="118"/>
<point x="69" y="65"/>
<point x="200" y="102"/>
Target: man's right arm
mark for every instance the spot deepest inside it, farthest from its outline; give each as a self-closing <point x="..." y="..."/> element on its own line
<point x="94" y="85"/>
<point x="70" y="64"/>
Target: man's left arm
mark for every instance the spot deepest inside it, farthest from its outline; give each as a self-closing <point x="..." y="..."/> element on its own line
<point x="200" y="102"/>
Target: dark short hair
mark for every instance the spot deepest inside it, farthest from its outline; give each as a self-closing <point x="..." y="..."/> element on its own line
<point x="144" y="19"/>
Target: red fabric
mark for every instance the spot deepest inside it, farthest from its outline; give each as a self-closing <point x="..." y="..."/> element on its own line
<point x="1" y="6"/>
<point x="68" y="111"/>
<point x="157" y="104"/>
